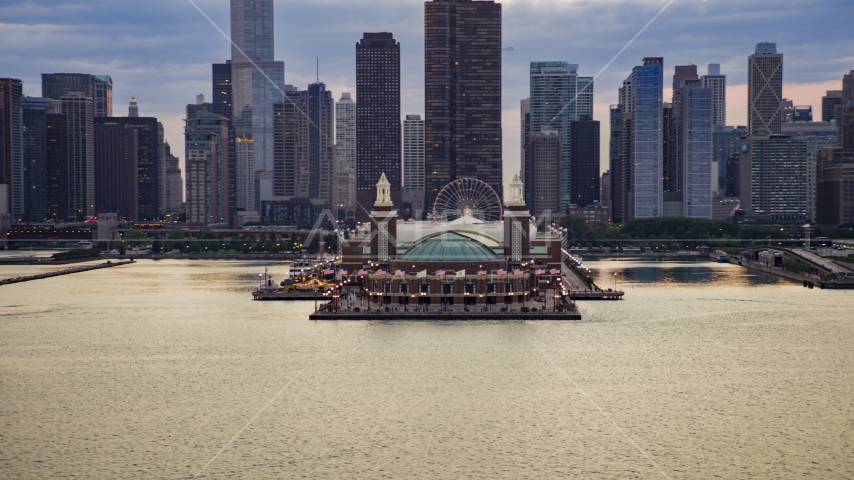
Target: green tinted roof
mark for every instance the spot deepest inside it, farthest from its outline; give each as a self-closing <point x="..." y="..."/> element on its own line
<point x="449" y="246"/>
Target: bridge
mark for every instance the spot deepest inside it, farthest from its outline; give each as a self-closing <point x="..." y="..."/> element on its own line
<point x="818" y="265"/>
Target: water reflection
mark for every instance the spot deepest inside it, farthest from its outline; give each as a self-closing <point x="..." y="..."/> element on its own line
<point x="692" y="272"/>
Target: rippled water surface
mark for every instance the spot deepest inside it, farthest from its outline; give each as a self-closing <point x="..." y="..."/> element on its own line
<point x="148" y="370"/>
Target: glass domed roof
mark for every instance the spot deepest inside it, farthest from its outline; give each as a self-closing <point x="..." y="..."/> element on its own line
<point x="450" y="247"/>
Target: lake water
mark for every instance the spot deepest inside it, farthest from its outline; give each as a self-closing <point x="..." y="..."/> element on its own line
<point x="149" y="370"/>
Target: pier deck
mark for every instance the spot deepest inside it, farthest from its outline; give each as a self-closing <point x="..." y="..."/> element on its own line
<point x="10" y="281"/>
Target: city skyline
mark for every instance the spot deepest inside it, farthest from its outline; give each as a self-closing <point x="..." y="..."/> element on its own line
<point x="174" y="75"/>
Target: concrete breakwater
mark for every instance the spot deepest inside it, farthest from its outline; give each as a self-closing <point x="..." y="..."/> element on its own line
<point x="69" y="271"/>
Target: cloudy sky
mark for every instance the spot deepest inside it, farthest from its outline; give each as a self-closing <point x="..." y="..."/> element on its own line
<point x="161" y="50"/>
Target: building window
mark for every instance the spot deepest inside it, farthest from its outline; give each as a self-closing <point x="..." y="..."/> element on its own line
<point x="424" y="287"/>
<point x="490" y="287"/>
<point x="387" y="287"/>
<point x="447" y="288"/>
<point x="470" y="288"/>
<point x="403" y="287"/>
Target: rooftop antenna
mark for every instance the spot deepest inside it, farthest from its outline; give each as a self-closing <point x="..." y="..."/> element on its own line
<point x="318" y="69"/>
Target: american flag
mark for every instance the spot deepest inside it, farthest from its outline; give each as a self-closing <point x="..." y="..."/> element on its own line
<point x="501" y="271"/>
<point x="540" y="271"/>
<point x="328" y="271"/>
<point x="440" y="272"/>
<point x="343" y="271"/>
<point x="481" y="272"/>
<point x="400" y="272"/>
<point x="518" y="271"/>
<point x="555" y="271"/>
<point x="382" y="271"/>
<point x="363" y="271"/>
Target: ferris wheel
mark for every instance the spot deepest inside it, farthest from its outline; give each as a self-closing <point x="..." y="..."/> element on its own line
<point x="468" y="197"/>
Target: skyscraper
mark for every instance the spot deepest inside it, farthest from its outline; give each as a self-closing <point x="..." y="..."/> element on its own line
<point x="697" y="107"/>
<point x="543" y="164"/>
<point x="222" y="103"/>
<point x="726" y="146"/>
<point x="12" y="145"/>
<point x="644" y="168"/>
<point x="462" y="93"/>
<point x="675" y="159"/>
<point x="304" y="149"/>
<point x="287" y="119"/>
<point x="554" y="104"/>
<point x="765" y="90"/>
<point x="377" y="118"/>
<point x="345" y="129"/>
<point x="345" y="166"/>
<point x="615" y="156"/>
<point x="585" y="161"/>
<point x="257" y="81"/>
<point x="717" y="83"/>
<point x="819" y="136"/>
<point x="524" y="133"/>
<point x="313" y="178"/>
<point x="149" y="161"/>
<point x="116" y="170"/>
<point x="79" y="109"/>
<point x="829" y="103"/>
<point x="34" y="114"/>
<point x="97" y="87"/>
<point x="133" y="108"/>
<point x="206" y="150"/>
<point x="413" y="162"/>
<point x="774" y="176"/>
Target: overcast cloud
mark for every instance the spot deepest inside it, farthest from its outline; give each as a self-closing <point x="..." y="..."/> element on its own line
<point x="161" y="50"/>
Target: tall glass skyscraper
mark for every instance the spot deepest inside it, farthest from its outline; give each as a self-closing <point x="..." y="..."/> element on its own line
<point x="697" y="115"/>
<point x="257" y="83"/>
<point x="646" y="162"/>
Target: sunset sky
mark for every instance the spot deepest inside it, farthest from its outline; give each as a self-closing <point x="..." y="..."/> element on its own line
<point x="160" y="51"/>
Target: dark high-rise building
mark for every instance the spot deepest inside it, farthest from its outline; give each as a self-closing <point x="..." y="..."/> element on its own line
<point x="221" y="86"/>
<point x="542" y="161"/>
<point x="97" y="87"/>
<point x="846" y="123"/>
<point x="12" y="146"/>
<point x="116" y="170"/>
<point x="829" y="102"/>
<point x="585" y="161"/>
<point x="377" y="119"/>
<point x="834" y="187"/>
<point x="615" y="156"/>
<point x="287" y="119"/>
<point x="56" y="165"/>
<point x="304" y="143"/>
<point x="79" y="110"/>
<point x="462" y="93"/>
<point x="148" y="144"/>
<point x="35" y="158"/>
